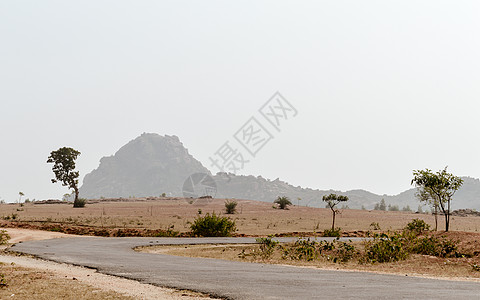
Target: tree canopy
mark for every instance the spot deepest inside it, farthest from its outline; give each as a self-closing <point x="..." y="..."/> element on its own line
<point x="332" y="201"/>
<point x="437" y="189"/>
<point x="282" y="202"/>
<point x="63" y="161"/>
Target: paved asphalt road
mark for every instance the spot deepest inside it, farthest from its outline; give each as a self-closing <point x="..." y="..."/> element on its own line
<point x="237" y="280"/>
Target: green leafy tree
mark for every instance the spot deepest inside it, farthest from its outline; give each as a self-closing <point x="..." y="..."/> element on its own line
<point x="381" y="205"/>
<point x="63" y="161"/>
<point x="332" y="201"/>
<point x="439" y="187"/>
<point x="282" y="202"/>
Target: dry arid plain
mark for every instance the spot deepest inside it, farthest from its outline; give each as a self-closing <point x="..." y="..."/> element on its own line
<point x="258" y="219"/>
<point x="253" y="218"/>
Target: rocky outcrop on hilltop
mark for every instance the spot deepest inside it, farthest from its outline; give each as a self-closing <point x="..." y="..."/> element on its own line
<point x="149" y="165"/>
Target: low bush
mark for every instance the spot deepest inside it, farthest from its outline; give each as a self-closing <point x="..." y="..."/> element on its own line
<point x="79" y="203"/>
<point x="267" y="247"/>
<point x="436" y="247"/>
<point x="308" y="250"/>
<point x="386" y="248"/>
<point x="345" y="252"/>
<point x="213" y="225"/>
<point x="375" y="226"/>
<point x="332" y="232"/>
<point x="302" y="250"/>
<point x="418" y="226"/>
<point x="4" y="237"/>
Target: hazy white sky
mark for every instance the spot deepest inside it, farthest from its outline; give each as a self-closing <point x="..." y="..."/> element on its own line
<point x="381" y="87"/>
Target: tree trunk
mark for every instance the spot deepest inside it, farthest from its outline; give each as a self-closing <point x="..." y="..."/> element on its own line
<point x="435" y="212"/>
<point x="447" y="217"/>
<point x="333" y="223"/>
<point x="75" y="202"/>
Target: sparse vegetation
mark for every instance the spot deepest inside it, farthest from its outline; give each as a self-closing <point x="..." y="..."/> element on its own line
<point x="26" y="283"/>
<point x="267" y="246"/>
<point x="418" y="226"/>
<point x="385" y="248"/>
<point x="80" y="202"/>
<point x="213" y="225"/>
<point x="381" y="205"/>
<point x="393" y="208"/>
<point x="335" y="232"/>
<point x="283" y="202"/>
<point x="375" y="226"/>
<point x="231" y="207"/>
<point x="4" y="237"/>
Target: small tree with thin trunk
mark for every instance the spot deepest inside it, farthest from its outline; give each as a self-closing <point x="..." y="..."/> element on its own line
<point x="439" y="187"/>
<point x="63" y="161"/>
<point x="332" y="201"/>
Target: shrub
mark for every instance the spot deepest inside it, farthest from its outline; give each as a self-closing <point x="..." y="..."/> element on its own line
<point x="302" y="250"/>
<point x="3" y="281"/>
<point x="282" y="202"/>
<point x="230" y="207"/>
<point x="10" y="217"/>
<point x="476" y="267"/>
<point x="345" y="252"/>
<point x="79" y="203"/>
<point x="4" y="237"/>
<point x="375" y="226"/>
<point x="418" y="226"/>
<point x="310" y="250"/>
<point x="386" y="248"/>
<point x="435" y="247"/>
<point x="213" y="225"/>
<point x="332" y="232"/>
<point x="267" y="246"/>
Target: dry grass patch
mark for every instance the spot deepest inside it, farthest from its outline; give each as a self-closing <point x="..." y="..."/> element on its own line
<point x="253" y="218"/>
<point x="460" y="268"/>
<point x="25" y="283"/>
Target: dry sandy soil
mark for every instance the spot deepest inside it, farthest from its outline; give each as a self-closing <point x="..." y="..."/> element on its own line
<point x="253" y="217"/>
<point x="27" y="277"/>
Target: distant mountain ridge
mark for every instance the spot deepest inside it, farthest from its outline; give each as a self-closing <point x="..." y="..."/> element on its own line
<point x="151" y="165"/>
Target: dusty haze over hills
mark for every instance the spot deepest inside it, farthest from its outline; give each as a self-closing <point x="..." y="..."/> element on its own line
<point x="381" y="87"/>
<point x="151" y="165"/>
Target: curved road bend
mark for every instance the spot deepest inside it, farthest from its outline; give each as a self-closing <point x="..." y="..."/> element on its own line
<point x="237" y="280"/>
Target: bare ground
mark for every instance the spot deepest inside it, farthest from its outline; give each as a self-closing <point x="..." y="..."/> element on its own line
<point x="253" y="218"/>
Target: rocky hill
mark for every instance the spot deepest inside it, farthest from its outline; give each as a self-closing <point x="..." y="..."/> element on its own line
<point x="149" y="165"/>
<point x="152" y="164"/>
